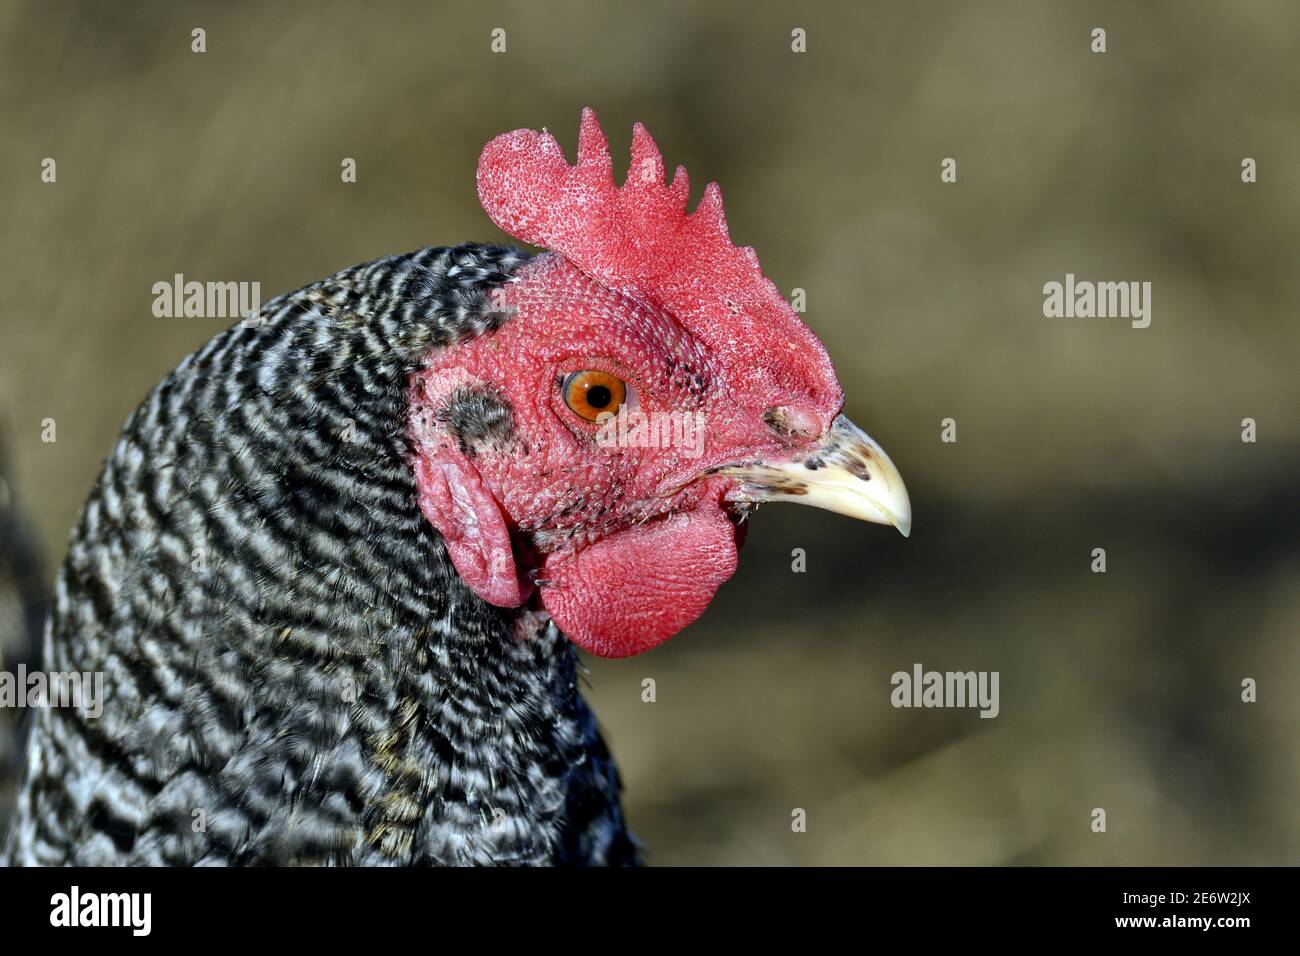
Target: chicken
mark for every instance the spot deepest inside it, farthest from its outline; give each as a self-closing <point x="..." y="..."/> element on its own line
<point x="332" y="569"/>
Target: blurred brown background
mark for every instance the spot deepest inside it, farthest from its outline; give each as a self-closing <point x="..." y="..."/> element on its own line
<point x="1119" y="690"/>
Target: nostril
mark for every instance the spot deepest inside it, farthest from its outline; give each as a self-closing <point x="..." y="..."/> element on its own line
<point x="792" y="422"/>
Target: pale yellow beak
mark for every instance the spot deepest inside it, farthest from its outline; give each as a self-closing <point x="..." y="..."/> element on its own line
<point x="846" y="472"/>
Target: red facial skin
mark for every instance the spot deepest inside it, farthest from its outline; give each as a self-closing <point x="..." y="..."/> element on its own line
<point x="626" y="545"/>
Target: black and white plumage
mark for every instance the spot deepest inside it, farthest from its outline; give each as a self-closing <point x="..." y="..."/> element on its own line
<point x="294" y="672"/>
<point x="325" y="569"/>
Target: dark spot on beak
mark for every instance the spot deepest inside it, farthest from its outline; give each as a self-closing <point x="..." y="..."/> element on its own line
<point x="858" y="470"/>
<point x="781" y="485"/>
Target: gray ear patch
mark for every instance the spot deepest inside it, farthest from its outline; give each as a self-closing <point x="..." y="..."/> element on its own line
<point x="480" y="418"/>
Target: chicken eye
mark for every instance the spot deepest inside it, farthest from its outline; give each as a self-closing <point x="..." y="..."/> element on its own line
<point x="592" y="393"/>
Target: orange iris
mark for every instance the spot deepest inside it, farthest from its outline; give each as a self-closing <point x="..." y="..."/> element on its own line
<point x="592" y="393"/>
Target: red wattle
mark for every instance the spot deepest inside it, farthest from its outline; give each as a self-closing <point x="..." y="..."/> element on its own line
<point x="636" y="588"/>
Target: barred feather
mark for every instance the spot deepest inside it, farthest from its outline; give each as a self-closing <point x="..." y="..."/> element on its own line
<point x="294" y="673"/>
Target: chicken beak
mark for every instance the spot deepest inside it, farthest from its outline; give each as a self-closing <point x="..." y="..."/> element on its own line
<point x="846" y="472"/>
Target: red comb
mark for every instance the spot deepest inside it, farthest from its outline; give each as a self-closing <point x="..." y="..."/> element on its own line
<point x="638" y="238"/>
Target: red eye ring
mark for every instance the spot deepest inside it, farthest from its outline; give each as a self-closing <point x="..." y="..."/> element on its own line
<point x="591" y="393"/>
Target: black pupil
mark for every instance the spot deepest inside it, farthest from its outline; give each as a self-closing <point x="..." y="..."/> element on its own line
<point x="598" y="396"/>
